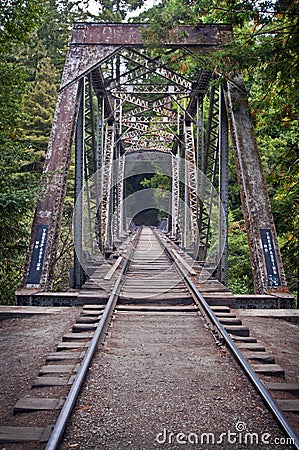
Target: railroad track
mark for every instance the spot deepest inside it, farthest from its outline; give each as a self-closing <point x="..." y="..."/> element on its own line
<point x="155" y="280"/>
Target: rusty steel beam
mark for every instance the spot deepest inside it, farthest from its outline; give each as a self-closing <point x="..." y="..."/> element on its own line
<point x="267" y="266"/>
<point x="205" y="38"/>
<point x="49" y="210"/>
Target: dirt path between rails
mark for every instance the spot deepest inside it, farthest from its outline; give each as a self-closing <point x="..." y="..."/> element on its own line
<point x="161" y="382"/>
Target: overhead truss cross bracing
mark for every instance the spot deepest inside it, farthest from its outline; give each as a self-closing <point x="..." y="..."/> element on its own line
<point x="118" y="97"/>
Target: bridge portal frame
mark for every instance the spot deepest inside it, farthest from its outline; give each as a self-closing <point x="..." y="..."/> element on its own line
<point x="91" y="45"/>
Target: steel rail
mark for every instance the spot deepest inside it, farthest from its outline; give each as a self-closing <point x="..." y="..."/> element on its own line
<point x="254" y="379"/>
<point x="98" y="337"/>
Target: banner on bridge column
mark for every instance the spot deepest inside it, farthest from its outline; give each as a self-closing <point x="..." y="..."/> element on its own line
<point x="270" y="257"/>
<point x="38" y="254"/>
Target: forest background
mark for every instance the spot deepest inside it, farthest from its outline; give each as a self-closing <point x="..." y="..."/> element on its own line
<point x="34" y="36"/>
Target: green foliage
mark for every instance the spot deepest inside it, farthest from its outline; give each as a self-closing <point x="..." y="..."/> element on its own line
<point x="116" y="10"/>
<point x="55" y="30"/>
<point x="18" y="196"/>
<point x="157" y="181"/>
<point x="161" y="186"/>
<point x="34" y="37"/>
<point x="18" y="19"/>
<point x="18" y="190"/>
<point x="38" y="110"/>
<point x="239" y="268"/>
<point x="284" y="176"/>
<point x="65" y="254"/>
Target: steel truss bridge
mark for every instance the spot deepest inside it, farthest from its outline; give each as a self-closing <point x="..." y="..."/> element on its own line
<point x="125" y="109"/>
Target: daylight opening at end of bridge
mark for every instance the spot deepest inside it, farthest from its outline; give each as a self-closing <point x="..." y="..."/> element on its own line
<point x="154" y="199"/>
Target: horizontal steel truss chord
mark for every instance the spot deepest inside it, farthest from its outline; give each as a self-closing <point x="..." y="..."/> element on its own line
<point x="149" y="134"/>
<point x="147" y="66"/>
<point x="132" y="99"/>
<point x="133" y="118"/>
<point x="168" y="98"/>
<point x="149" y="88"/>
<point x="148" y="140"/>
<point x="175" y="197"/>
<point x="157" y="106"/>
<point x="148" y="146"/>
<point x="153" y="126"/>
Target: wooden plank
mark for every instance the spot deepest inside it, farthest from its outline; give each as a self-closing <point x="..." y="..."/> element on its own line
<point x="221" y="301"/>
<point x="159" y="308"/>
<point x="156" y="300"/>
<point x="110" y="273"/>
<point x="92" y="298"/>
<point x="289" y="405"/>
<point x="75" y="336"/>
<point x="71" y="345"/>
<point x="263" y="357"/>
<point x="230" y="321"/>
<point x="239" y="330"/>
<point x="79" y="327"/>
<point x="99" y="308"/>
<point x="274" y="370"/>
<point x="165" y="290"/>
<point x="224" y="315"/>
<point x="248" y="339"/>
<point x="143" y="282"/>
<point x="220" y="309"/>
<point x="88" y="319"/>
<point x="24" y="434"/>
<point x="37" y="404"/>
<point x="57" y="368"/>
<point x="214" y="294"/>
<point x="50" y="381"/>
<point x="160" y="295"/>
<point x="60" y="356"/>
<point x="250" y="346"/>
<point x="95" y="315"/>
<point x="283" y="386"/>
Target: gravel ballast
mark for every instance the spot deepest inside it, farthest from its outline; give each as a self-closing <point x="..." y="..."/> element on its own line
<point x="162" y="382"/>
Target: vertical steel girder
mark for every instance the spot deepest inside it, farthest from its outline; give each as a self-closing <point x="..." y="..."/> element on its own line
<point x="116" y="172"/>
<point x="222" y="271"/>
<point x="107" y="201"/>
<point x="91" y="159"/>
<point x="268" y="272"/>
<point x="49" y="211"/>
<point x="209" y="167"/>
<point x="79" y="184"/>
<point x="120" y="196"/>
<point x="191" y="180"/>
<point x="87" y="189"/>
<point x="43" y="245"/>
